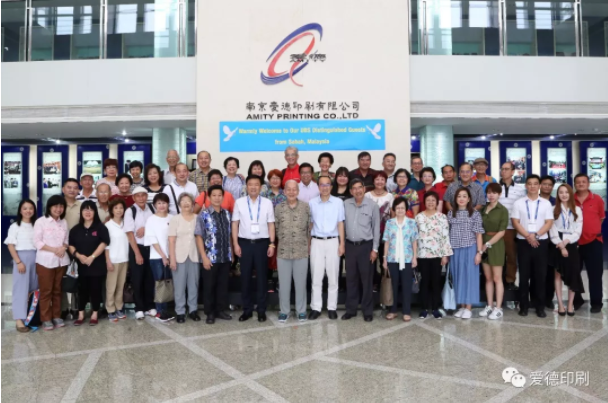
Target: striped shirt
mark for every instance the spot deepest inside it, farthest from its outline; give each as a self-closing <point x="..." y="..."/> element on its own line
<point x="81" y="197"/>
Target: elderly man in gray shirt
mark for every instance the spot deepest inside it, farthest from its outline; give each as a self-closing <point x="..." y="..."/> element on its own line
<point x="362" y="238"/>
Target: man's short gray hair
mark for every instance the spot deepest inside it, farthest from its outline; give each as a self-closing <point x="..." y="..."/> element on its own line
<point x="292" y="148"/>
<point x="294" y="182"/>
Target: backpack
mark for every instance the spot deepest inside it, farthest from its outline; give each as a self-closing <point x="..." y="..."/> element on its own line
<point x="33" y="314"/>
<point x="134" y="210"/>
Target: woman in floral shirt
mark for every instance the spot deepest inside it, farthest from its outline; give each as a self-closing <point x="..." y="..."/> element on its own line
<point x="402" y="177"/>
<point x="400" y="252"/>
<point x="433" y="251"/>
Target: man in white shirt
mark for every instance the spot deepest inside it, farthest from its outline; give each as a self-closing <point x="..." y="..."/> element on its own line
<point x="87" y="192"/>
<point x="180" y="185"/>
<point x="253" y="239"/>
<point x="308" y="188"/>
<point x="509" y="195"/>
<point x="139" y="255"/>
<point x="532" y="218"/>
<point x="172" y="161"/>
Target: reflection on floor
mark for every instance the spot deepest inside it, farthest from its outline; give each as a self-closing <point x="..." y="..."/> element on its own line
<point x="314" y="361"/>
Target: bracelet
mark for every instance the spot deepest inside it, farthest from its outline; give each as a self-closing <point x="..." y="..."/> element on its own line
<point x="272" y="245"/>
<point x="19" y="263"/>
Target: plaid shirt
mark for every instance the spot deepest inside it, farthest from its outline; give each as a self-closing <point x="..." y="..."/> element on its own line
<point x="477" y="194"/>
<point x="200" y="179"/>
<point x="464" y="229"/>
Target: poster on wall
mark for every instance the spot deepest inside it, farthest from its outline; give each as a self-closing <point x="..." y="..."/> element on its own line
<point x="92" y="163"/>
<point x="518" y="156"/>
<point x="597" y="172"/>
<point x="130" y="156"/>
<point x="191" y="161"/>
<point x="557" y="166"/>
<point x="12" y="185"/>
<point x="471" y="154"/>
<point x="51" y="175"/>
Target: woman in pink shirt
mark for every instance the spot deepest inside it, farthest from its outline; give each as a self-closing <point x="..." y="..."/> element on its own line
<point x="51" y="241"/>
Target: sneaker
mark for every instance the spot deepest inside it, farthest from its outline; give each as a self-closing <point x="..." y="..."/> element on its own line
<point x="423" y="315"/>
<point x="437" y="315"/>
<point x="139" y="315"/>
<point x="302" y="317"/>
<point x="496" y="314"/>
<point x="511" y="304"/>
<point x="58" y="322"/>
<point x="485" y="311"/>
<point x="120" y="314"/>
<point x="283" y="318"/>
<point x="165" y="316"/>
<point x="467" y="314"/>
<point x="151" y="312"/>
<point x="112" y="317"/>
<point x="459" y="313"/>
<point x="48" y="325"/>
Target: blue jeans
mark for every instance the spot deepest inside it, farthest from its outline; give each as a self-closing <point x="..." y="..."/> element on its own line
<point x="156" y="265"/>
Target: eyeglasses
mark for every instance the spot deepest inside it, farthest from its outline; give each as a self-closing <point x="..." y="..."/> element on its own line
<point x="506" y="169"/>
<point x="291" y="155"/>
<point x="325" y="185"/>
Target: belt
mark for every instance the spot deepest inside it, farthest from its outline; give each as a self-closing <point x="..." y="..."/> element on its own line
<point x="323" y="238"/>
<point x="259" y="240"/>
<point x="357" y="243"/>
<point x="491" y="233"/>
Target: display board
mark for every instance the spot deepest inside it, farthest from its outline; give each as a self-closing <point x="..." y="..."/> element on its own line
<point x="520" y="154"/>
<point x="556" y="157"/>
<point x="469" y="151"/>
<point x="191" y="155"/>
<point x="90" y="160"/>
<point x="593" y="163"/>
<point x="52" y="172"/>
<point x="133" y="152"/>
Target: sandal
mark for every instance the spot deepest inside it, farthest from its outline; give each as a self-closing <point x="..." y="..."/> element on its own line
<point x="390" y="316"/>
<point x="407" y="318"/>
<point x="561" y="313"/>
<point x="22" y="329"/>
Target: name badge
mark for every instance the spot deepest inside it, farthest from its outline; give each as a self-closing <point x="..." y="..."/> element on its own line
<point x="255" y="228"/>
<point x="532" y="227"/>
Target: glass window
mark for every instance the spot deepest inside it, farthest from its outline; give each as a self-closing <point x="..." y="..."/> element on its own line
<point x="461" y="27"/>
<point x="415" y="29"/>
<point x="540" y="28"/>
<point x="13" y="31"/>
<point x="65" y="30"/>
<point x="142" y="28"/>
<point x="190" y="28"/>
<point x="595" y="27"/>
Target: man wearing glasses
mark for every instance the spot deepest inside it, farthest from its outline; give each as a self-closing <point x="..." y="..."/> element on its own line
<point x="308" y="188"/>
<point x="466" y="174"/>
<point x="293" y="168"/>
<point x="510" y="193"/>
<point x="172" y="160"/>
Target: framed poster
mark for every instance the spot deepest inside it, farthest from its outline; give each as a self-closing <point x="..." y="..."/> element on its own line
<point x="52" y="172"/>
<point x="191" y="156"/>
<point x="520" y="154"/>
<point x="556" y="160"/>
<point x="469" y="151"/>
<point x="593" y="163"/>
<point x="132" y="152"/>
<point x="90" y="160"/>
<point x="15" y="187"/>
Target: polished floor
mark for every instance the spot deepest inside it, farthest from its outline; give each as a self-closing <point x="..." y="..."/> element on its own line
<point x="315" y="361"/>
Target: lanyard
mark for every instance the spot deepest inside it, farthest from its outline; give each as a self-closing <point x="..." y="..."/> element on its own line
<point x="536" y="214"/>
<point x="565" y="219"/>
<point x="249" y="206"/>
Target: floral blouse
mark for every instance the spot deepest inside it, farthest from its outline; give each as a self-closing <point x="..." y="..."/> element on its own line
<point x="214" y="228"/>
<point x="276" y="199"/>
<point x="433" y="236"/>
<point x="410" y="195"/>
<point x="409" y="234"/>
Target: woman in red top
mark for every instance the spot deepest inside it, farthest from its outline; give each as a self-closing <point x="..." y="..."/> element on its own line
<point x="124" y="182"/>
<point x="428" y="176"/>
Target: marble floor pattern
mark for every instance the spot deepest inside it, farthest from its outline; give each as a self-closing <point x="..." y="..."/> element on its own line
<point x="315" y="361"/>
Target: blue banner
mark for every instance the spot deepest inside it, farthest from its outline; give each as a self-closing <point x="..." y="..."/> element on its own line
<point x="306" y="135"/>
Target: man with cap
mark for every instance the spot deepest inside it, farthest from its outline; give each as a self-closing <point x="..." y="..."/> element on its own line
<point x="87" y="192"/>
<point x="139" y="254"/>
<point x="480" y="177"/>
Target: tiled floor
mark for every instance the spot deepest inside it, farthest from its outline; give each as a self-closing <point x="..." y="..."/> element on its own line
<point x="315" y="361"/>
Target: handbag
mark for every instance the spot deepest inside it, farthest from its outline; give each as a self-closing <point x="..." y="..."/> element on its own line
<point x="69" y="282"/>
<point x="127" y="294"/>
<point x="417" y="276"/>
<point x="448" y="295"/>
<point x="163" y="289"/>
<point x="386" y="289"/>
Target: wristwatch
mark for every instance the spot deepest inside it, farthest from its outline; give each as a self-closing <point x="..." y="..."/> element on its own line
<point x="488" y="245"/>
<point x="480" y="252"/>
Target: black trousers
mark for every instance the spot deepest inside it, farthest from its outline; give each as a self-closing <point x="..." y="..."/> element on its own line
<point x="215" y="284"/>
<point x="532" y="263"/>
<point x="430" y="283"/>
<point x="254" y="257"/>
<point x="89" y="290"/>
<point x="549" y="278"/>
<point x="592" y="258"/>
<point x="359" y="270"/>
<point x="142" y="280"/>
<point x="405" y="277"/>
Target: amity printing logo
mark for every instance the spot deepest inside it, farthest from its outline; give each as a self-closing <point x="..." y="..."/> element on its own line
<point x="304" y="39"/>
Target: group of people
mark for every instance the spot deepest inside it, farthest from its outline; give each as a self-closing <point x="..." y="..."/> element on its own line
<point x="151" y="225"/>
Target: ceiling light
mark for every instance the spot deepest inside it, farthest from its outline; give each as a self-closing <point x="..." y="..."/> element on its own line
<point x="483" y="137"/>
<point x="127" y="140"/>
<point x="413" y="137"/>
<point x="56" y="141"/>
<point x="124" y="132"/>
<point x="552" y="137"/>
<point x="501" y="134"/>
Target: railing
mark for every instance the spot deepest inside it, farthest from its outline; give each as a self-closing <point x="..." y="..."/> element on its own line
<point x="37" y="30"/>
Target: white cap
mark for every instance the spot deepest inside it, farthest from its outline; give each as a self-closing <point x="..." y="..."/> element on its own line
<point x="82" y="175"/>
<point x="139" y="189"/>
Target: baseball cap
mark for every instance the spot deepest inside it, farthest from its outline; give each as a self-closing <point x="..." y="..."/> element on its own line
<point x="139" y="189"/>
<point x="82" y="175"/>
<point x="478" y="160"/>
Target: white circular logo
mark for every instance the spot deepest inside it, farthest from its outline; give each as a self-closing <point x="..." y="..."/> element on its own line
<point x="20" y="148"/>
<point x="529" y="156"/>
<point x="592" y="145"/>
<point x="515" y="145"/>
<point x="467" y="144"/>
<point x="79" y="163"/>
<point x="52" y="150"/>
<point x="561" y="144"/>
<point x="133" y="148"/>
<point x="544" y="164"/>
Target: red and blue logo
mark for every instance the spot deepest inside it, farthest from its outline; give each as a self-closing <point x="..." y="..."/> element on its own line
<point x="291" y="63"/>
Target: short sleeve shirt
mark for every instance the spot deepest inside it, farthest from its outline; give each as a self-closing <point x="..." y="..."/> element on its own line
<point x="292" y="226"/>
<point x="215" y="230"/>
<point x="479" y="198"/>
<point x="464" y="229"/>
<point x="525" y="210"/>
<point x="86" y="241"/>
